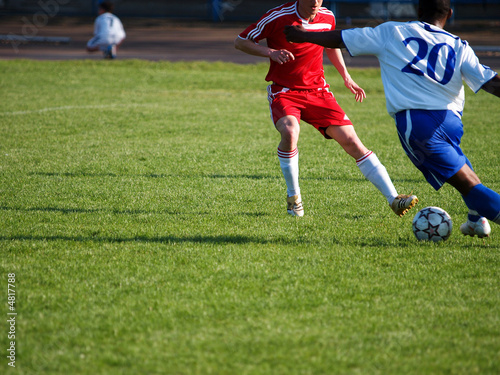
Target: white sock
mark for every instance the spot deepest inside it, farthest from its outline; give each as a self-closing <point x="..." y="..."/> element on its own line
<point x="374" y="171"/>
<point x="289" y="162"/>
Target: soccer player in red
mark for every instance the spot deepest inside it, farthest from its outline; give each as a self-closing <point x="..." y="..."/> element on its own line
<point x="299" y="90"/>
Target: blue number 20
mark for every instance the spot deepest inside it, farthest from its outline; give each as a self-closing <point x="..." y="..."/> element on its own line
<point x="431" y="60"/>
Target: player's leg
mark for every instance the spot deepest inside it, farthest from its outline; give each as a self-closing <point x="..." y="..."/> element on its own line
<point x="111" y="47"/>
<point x="94" y="44"/>
<point x="371" y="167"/>
<point x="99" y="44"/>
<point x="464" y="180"/>
<point x="481" y="201"/>
<point x="288" y="155"/>
<point x="325" y="114"/>
<point x="110" y="51"/>
<point x="286" y="114"/>
<point x="347" y="138"/>
<point x="289" y="129"/>
<point x="431" y="139"/>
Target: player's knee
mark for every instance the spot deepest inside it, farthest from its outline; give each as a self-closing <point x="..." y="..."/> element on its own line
<point x="288" y="127"/>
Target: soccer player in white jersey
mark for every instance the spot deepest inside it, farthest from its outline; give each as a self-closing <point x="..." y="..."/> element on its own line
<point x="108" y="31"/>
<point x="422" y="69"/>
<point x="299" y="90"/>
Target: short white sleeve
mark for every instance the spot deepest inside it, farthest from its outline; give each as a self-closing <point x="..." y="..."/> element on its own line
<point x="366" y="40"/>
<point x="474" y="73"/>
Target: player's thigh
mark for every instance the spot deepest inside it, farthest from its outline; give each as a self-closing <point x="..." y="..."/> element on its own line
<point x="284" y="105"/>
<point x="322" y="111"/>
<point x="344" y="135"/>
<point x="431" y="139"/>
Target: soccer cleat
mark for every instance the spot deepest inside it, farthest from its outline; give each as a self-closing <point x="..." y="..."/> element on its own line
<point x="403" y="203"/>
<point x="294" y="205"/>
<point x="107" y="52"/>
<point x="110" y="52"/>
<point x="480" y="228"/>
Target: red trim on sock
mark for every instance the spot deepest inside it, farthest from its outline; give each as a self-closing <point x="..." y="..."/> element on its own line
<point x="364" y="157"/>
<point x="287" y="154"/>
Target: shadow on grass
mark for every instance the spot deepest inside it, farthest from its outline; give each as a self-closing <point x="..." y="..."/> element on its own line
<point x="367" y="244"/>
<point x="214" y="176"/>
<point x="424" y="246"/>
<point x="170" y="240"/>
<point x="150" y="175"/>
<point x="123" y="212"/>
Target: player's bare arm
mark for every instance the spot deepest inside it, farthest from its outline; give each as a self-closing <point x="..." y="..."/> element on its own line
<point x="328" y="39"/>
<point x="493" y="86"/>
<point x="281" y="56"/>
<point x="335" y="56"/>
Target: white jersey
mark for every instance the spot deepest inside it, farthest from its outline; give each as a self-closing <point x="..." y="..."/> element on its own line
<point x="422" y="66"/>
<point x="108" y="29"/>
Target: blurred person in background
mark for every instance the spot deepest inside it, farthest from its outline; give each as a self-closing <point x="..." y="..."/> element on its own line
<point x="108" y="31"/>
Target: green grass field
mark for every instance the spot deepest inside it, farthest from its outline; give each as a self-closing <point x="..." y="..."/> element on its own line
<point x="143" y="213"/>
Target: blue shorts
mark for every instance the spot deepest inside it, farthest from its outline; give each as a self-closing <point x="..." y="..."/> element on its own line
<point x="431" y="139"/>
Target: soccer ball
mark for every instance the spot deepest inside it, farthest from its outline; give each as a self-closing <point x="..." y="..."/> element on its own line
<point x="432" y="224"/>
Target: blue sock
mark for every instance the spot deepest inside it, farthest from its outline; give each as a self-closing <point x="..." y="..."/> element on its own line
<point x="473" y="217"/>
<point x="485" y="201"/>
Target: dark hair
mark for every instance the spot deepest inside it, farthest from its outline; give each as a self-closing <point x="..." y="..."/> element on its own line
<point x="433" y="9"/>
<point x="107" y="6"/>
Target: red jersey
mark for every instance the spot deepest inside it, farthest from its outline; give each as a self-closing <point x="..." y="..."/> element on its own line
<point x="306" y="71"/>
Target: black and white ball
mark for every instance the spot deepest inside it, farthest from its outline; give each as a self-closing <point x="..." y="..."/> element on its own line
<point x="432" y="224"/>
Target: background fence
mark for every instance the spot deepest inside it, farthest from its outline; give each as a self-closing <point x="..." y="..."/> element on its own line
<point x="243" y="10"/>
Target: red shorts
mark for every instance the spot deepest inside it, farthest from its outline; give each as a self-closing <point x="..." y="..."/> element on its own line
<point x="316" y="107"/>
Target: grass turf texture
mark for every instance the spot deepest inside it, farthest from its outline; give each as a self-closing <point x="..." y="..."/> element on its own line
<point x="143" y="213"/>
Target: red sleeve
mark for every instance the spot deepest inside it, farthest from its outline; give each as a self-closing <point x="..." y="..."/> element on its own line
<point x="248" y="30"/>
<point x="263" y="28"/>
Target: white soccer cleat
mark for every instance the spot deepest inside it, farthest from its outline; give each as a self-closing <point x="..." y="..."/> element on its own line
<point x="480" y="228"/>
<point x="294" y="205"/>
<point x="403" y="203"/>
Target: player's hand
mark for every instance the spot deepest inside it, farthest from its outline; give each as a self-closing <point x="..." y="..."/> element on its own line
<point x="295" y="34"/>
<point x="358" y="92"/>
<point x="281" y="56"/>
